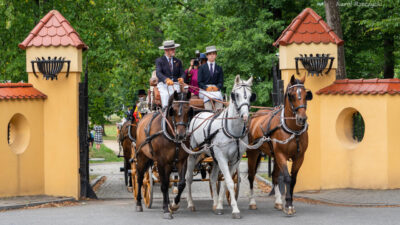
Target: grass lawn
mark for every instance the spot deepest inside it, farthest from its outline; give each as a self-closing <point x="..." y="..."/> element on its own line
<point x="104" y="152"/>
<point x="111" y="132"/>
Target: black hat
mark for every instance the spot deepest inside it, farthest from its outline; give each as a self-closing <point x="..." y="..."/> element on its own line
<point x="141" y="92"/>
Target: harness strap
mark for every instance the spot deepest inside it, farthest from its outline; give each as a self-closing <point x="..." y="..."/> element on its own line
<point x="268" y="132"/>
<point x="208" y="138"/>
<point x="129" y="133"/>
<point x="230" y="135"/>
<point x="149" y="137"/>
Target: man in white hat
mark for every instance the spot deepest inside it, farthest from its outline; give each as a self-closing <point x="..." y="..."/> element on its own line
<point x="168" y="70"/>
<point x="211" y="79"/>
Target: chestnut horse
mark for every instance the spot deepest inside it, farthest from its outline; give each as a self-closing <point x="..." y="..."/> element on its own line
<point x="159" y="137"/>
<point x="285" y="133"/>
<point x="127" y="135"/>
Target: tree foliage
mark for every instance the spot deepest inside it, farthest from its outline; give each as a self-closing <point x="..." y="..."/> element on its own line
<point x="123" y="39"/>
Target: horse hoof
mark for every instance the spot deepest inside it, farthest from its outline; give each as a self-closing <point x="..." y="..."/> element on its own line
<point x="175" y="190"/>
<point x="168" y="216"/>
<point x="236" y="216"/>
<point x="214" y="207"/>
<point x="192" y="208"/>
<point x="130" y="189"/>
<point x="252" y="207"/>
<point x="139" y="208"/>
<point x="278" y="206"/>
<point x="219" y="211"/>
<point x="173" y="207"/>
<point x="289" y="211"/>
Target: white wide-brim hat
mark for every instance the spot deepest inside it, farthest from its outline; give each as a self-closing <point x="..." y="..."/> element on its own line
<point x="169" y="44"/>
<point x="210" y="49"/>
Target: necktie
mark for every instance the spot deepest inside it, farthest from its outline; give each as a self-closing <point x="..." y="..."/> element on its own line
<point x="170" y="64"/>
<point x="211" y="69"/>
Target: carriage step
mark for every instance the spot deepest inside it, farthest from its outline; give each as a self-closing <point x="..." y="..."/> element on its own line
<point x="121" y="169"/>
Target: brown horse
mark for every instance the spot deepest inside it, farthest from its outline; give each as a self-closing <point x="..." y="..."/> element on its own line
<point x="127" y="135"/>
<point x="159" y="136"/>
<point x="284" y="131"/>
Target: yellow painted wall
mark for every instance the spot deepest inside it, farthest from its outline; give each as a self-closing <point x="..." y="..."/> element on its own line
<point x="22" y="174"/>
<point x="69" y="52"/>
<point x="333" y="159"/>
<point x="393" y="135"/>
<point x="61" y="109"/>
<point x="344" y="162"/>
<point x="288" y="53"/>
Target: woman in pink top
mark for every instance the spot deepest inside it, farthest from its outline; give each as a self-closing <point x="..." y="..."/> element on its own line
<point x="191" y="77"/>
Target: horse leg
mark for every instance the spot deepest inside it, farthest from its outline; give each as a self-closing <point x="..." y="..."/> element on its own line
<point x="141" y="166"/>
<point x="181" y="184"/>
<point x="165" y="172"/>
<point x="282" y="163"/>
<point x="191" y="163"/>
<point x="253" y="159"/>
<point x="214" y="176"/>
<point x="128" y="168"/>
<point x="297" y="162"/>
<point x="223" y="165"/>
<point x="277" y="190"/>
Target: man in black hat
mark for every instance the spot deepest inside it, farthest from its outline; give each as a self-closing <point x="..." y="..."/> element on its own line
<point x="142" y="107"/>
<point x="211" y="79"/>
<point x="168" y="70"/>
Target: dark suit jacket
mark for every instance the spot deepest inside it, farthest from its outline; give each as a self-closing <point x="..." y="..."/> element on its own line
<point x="204" y="76"/>
<point x="163" y="71"/>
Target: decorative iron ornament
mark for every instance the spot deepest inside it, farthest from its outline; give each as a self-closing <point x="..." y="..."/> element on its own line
<point x="50" y="68"/>
<point x="314" y="64"/>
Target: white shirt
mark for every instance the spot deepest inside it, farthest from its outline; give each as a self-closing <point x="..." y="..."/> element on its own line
<point x="169" y="59"/>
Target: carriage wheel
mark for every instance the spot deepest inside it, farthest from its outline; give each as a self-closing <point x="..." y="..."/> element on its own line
<point x="236" y="181"/>
<point x="147" y="188"/>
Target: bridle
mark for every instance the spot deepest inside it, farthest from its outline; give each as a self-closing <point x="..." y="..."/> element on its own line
<point x="246" y="103"/>
<point x="298" y="90"/>
<point x="175" y="124"/>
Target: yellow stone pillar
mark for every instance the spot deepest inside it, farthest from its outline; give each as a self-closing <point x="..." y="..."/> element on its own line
<point x="54" y="37"/>
<point x="309" y="34"/>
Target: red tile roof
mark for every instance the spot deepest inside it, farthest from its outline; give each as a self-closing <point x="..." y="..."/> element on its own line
<point x="19" y="91"/>
<point x="361" y="86"/>
<point x="53" y="30"/>
<point x="308" y="27"/>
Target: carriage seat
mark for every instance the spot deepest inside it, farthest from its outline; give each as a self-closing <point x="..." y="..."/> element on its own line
<point x="197" y="102"/>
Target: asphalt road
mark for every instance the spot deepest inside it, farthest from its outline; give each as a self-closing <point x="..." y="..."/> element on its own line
<point x="122" y="211"/>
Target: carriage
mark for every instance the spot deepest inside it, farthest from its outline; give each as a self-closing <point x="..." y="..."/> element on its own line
<point x="151" y="177"/>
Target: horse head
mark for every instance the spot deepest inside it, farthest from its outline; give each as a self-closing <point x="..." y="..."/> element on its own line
<point x="297" y="96"/>
<point x="241" y="96"/>
<point x="179" y="113"/>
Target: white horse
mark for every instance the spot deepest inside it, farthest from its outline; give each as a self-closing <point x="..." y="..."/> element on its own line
<point x="222" y="134"/>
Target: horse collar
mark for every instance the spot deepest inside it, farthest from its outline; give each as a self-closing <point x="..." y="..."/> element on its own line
<point x="226" y="131"/>
<point x="288" y="130"/>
